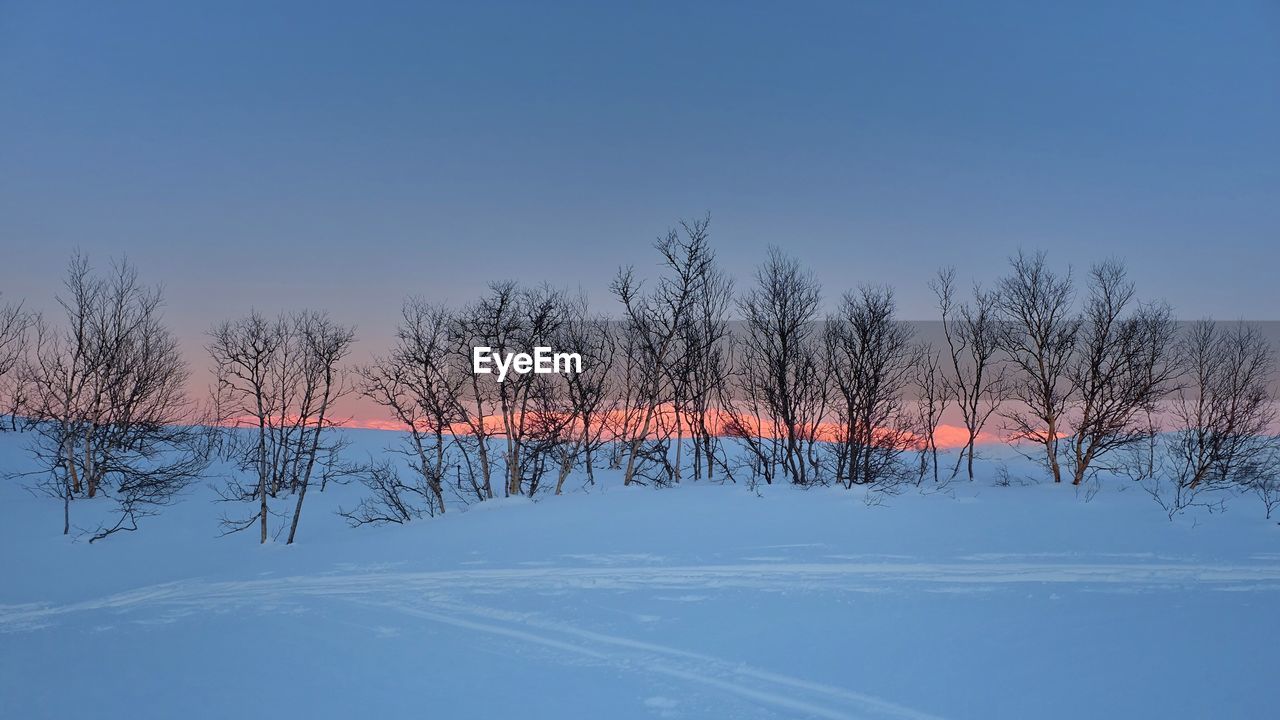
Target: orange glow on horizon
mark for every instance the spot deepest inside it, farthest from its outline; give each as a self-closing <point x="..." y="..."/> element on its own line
<point x="947" y="437"/>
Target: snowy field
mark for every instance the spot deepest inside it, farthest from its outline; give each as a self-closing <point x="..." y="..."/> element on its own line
<point x="610" y="602"/>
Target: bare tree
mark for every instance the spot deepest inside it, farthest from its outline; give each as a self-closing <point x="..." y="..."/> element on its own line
<point x="513" y="320"/>
<point x="243" y="353"/>
<point x="1037" y="332"/>
<point x="1121" y="369"/>
<point x="700" y="369"/>
<point x="324" y="346"/>
<point x="653" y="322"/>
<point x="105" y="398"/>
<point x="588" y="392"/>
<point x="1224" y="433"/>
<point x="279" y="378"/>
<point x="390" y="500"/>
<point x="554" y="437"/>
<point x="976" y="380"/>
<point x="927" y="381"/>
<point x="487" y="320"/>
<point x="622" y="424"/>
<point x="421" y="382"/>
<point x="14" y="326"/>
<point x="870" y="360"/>
<point x="1264" y="479"/>
<point x="779" y="397"/>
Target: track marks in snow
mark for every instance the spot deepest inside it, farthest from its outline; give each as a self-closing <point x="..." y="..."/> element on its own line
<point x="433" y="597"/>
<point x="761" y="687"/>
<point x="678" y="581"/>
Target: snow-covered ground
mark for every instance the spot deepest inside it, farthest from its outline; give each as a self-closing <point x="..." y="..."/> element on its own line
<point x="694" y="602"/>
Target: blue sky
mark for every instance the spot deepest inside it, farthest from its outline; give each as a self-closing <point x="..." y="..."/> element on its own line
<point x="345" y="155"/>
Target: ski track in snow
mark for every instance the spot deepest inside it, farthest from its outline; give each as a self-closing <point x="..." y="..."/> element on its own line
<point x="768" y="576"/>
<point x="422" y="595"/>
<point x="768" y="688"/>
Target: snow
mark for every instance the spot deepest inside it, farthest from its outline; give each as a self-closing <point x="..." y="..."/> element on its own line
<point x="702" y="601"/>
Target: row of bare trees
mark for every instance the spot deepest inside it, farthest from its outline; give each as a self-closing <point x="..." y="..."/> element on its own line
<point x="101" y="385"/>
<point x="808" y="397"/>
<point x="471" y="436"/>
<point x="1084" y="384"/>
<point x="103" y="391"/>
<point x="279" y="378"/>
<point x="1115" y="386"/>
<point x="1084" y="376"/>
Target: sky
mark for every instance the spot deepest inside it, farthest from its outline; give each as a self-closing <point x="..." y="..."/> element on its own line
<point x="344" y="156"/>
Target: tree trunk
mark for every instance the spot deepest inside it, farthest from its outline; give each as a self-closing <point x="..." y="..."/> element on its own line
<point x="437" y="476"/>
<point x="631" y="462"/>
<point x="634" y="445"/>
<point x="66" y="509"/>
<point x="297" y="512"/>
<point x="90" y="476"/>
<point x="565" y="467"/>
<point x="262" y="476"/>
<point x="679" y="445"/>
<point x="1051" y="449"/>
<point x="71" y="467"/>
